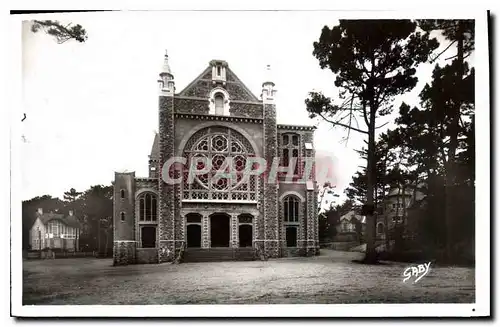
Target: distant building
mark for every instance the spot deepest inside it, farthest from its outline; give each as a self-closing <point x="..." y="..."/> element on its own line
<point x="55" y="231"/>
<point x="346" y="229"/>
<point x="395" y="209"/>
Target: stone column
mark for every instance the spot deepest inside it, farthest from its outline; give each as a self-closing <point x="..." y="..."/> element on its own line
<point x="271" y="234"/>
<point x="311" y="234"/>
<point x="166" y="221"/>
<point x="205" y="232"/>
<point x="234" y="231"/>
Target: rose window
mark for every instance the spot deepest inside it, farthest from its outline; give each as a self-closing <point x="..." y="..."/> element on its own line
<point x="221" y="153"/>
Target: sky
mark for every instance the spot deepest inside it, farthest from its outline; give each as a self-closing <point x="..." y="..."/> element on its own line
<point x="92" y="108"/>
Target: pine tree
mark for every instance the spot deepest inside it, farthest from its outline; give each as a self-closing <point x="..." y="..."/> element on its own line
<point x="374" y="61"/>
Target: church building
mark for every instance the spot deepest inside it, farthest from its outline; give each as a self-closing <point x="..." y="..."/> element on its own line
<point x="216" y="117"/>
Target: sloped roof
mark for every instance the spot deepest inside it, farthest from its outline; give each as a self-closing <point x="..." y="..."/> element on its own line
<point x="155" y="149"/>
<point x="231" y="78"/>
<point x="67" y="220"/>
<point x="395" y="192"/>
<point x="352" y="214"/>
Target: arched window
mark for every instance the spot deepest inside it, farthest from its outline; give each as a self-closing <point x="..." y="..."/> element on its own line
<point x="219" y="104"/>
<point x="217" y="147"/>
<point x="290" y="147"/>
<point x="122" y="194"/>
<point x="122" y="216"/>
<point x="380" y="228"/>
<point x="148" y="207"/>
<point x="291" y="209"/>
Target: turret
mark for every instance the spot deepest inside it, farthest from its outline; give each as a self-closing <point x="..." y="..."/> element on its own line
<point x="166" y="81"/>
<point x="268" y="90"/>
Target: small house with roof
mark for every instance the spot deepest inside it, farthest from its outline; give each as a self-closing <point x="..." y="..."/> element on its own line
<point x="55" y="231"/>
<point x="346" y="229"/>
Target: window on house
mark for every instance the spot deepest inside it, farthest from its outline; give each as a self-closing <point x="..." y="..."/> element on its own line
<point x="122" y="194"/>
<point x="55" y="228"/>
<point x="147" y="207"/>
<point x="219" y="104"/>
<point x="380" y="228"/>
<point x="122" y="216"/>
<point x="291" y="209"/>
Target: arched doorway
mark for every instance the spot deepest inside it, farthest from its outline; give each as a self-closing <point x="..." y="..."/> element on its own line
<point x="193" y="226"/>
<point x="245" y="232"/>
<point x="193" y="236"/>
<point x="219" y="230"/>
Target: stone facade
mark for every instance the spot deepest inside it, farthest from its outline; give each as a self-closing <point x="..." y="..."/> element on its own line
<point x="216" y="116"/>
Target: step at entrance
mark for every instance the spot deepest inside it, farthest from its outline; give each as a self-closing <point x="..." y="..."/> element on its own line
<point x="218" y="254"/>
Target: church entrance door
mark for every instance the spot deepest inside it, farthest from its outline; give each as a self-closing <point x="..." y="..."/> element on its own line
<point x="219" y="230"/>
<point x="245" y="232"/>
<point x="193" y="236"/>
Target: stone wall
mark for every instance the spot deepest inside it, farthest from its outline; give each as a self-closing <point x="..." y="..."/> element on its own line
<point x="245" y="109"/>
<point x="166" y="217"/>
<point x="147" y="255"/>
<point x="124" y="253"/>
<point x="191" y="106"/>
<point x="271" y="226"/>
<point x="124" y="230"/>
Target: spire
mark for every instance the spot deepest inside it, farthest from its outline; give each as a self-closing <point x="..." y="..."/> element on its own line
<point x="166" y="66"/>
<point x="268" y="78"/>
<point x="166" y="81"/>
<point x="268" y="91"/>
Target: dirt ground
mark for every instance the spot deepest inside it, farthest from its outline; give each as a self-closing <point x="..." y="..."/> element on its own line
<point x="329" y="278"/>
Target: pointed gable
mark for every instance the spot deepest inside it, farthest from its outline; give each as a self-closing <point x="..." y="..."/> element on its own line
<point x="202" y="85"/>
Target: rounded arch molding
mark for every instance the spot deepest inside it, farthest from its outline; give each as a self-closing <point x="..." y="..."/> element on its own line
<point x="298" y="195"/>
<point x="187" y="136"/>
<point x="145" y="190"/>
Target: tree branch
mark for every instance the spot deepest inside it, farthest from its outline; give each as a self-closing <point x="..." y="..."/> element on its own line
<point x="381" y="125"/>
<point x="342" y="125"/>
<point x="435" y="58"/>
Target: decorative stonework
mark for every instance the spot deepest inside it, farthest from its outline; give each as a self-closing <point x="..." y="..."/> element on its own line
<point x="284" y="128"/>
<point x="205" y="232"/>
<point x="124" y="253"/>
<point x="191" y="106"/>
<point x="230" y="77"/>
<point x="146" y="183"/>
<point x="234" y="231"/>
<point x="200" y="89"/>
<point x="270" y="191"/>
<point x="242" y="109"/>
<point x="238" y="92"/>
<point x="232" y="119"/>
<point x="310" y="223"/>
<point x="215" y="144"/>
<point x="166" y="223"/>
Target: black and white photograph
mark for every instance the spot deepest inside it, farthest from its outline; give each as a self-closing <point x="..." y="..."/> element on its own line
<point x="250" y="163"/>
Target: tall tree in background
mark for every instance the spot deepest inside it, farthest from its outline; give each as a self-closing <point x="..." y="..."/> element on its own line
<point x="461" y="33"/>
<point x="374" y="61"/>
<point x="71" y="196"/>
<point x="98" y="213"/>
<point x="62" y="33"/>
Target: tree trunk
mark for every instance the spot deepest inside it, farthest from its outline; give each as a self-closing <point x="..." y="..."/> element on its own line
<point x="450" y="173"/>
<point x="370" y="255"/>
